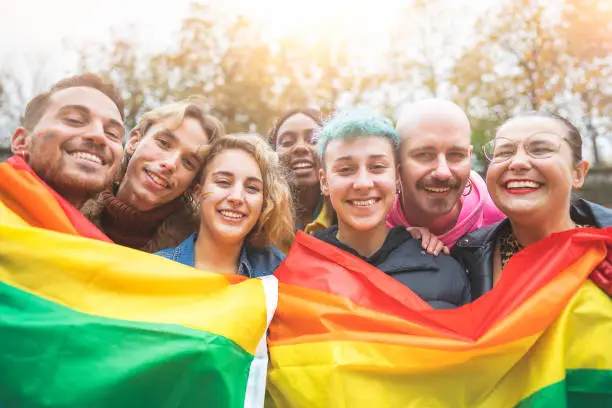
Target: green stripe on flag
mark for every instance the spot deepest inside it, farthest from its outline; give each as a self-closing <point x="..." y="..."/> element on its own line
<point x="581" y="388"/>
<point x="54" y="356"/>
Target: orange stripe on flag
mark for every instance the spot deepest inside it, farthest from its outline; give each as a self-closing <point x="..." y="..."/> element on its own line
<point x="25" y="194"/>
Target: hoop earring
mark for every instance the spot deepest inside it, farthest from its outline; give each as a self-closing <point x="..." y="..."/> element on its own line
<point x="470" y="187"/>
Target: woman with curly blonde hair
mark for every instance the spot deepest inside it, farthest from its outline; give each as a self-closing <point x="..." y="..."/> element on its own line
<point x="245" y="210"/>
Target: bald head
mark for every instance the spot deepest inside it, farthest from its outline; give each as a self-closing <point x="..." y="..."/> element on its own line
<point x="435" y="160"/>
<point x="438" y="115"/>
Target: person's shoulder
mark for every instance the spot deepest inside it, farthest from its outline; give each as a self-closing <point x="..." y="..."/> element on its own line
<point x="327" y="234"/>
<point x="448" y="263"/>
<point x="275" y="253"/>
<point x="173" y="231"/>
<point x="185" y="248"/>
<point x="588" y="213"/>
<point x="406" y="252"/>
<point x="412" y="254"/>
<point x="481" y="236"/>
<point x="166" y="252"/>
<point x="401" y="233"/>
<point x="264" y="260"/>
<point x="92" y="210"/>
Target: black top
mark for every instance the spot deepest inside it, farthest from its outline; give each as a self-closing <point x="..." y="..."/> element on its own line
<point x="438" y="280"/>
<point x="476" y="250"/>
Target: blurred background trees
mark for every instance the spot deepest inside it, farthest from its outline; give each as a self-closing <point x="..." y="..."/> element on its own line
<point x="519" y="55"/>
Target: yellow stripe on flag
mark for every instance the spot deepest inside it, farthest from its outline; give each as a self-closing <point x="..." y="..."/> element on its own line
<point x="111" y="281"/>
<point x="372" y="374"/>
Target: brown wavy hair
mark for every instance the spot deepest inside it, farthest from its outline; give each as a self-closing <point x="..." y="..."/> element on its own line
<point x="276" y="222"/>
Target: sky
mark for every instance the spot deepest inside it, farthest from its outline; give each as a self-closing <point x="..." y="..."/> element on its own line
<point x="36" y="36"/>
<point x="47" y="28"/>
<point x="39" y="38"/>
<point x="43" y="25"/>
<point x="42" y="31"/>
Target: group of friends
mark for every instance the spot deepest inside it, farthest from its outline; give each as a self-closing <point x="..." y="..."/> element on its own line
<point x="401" y="197"/>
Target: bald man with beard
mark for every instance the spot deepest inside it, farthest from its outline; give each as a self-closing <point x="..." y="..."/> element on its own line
<point x="439" y="190"/>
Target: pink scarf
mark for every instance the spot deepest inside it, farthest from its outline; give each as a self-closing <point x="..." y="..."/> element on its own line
<point x="477" y="211"/>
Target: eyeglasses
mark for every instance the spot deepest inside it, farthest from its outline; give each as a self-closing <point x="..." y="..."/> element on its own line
<point x="538" y="146"/>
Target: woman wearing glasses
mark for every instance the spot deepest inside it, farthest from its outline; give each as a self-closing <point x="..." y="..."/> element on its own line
<point x="535" y="163"/>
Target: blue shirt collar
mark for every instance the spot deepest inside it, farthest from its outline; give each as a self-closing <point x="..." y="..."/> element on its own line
<point x="185" y="254"/>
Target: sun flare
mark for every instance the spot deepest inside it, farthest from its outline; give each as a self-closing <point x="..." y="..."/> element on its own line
<point x="339" y="19"/>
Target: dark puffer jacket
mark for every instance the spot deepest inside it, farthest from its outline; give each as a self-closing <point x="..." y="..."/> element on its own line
<point x="438" y="280"/>
<point x="476" y="250"/>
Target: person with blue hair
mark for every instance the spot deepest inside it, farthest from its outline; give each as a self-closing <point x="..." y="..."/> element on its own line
<point x="359" y="174"/>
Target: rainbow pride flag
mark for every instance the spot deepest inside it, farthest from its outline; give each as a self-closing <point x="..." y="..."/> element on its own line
<point x="30" y="198"/>
<point x="347" y="335"/>
<point x="86" y="323"/>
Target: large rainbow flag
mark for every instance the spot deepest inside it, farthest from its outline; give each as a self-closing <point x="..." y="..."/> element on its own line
<point x="347" y="335"/>
<point x="85" y="323"/>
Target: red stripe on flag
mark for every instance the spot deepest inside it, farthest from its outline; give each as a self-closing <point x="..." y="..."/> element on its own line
<point x="81" y="224"/>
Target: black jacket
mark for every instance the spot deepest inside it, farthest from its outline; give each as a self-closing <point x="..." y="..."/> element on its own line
<point x="475" y="251"/>
<point x="440" y="281"/>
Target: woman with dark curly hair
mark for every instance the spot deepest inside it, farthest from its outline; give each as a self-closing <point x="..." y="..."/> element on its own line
<point x="294" y="139"/>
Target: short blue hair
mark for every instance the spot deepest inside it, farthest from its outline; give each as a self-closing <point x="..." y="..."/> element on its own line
<point x="355" y="124"/>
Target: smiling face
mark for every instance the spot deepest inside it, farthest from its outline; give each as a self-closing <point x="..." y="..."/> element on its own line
<point x="360" y="179"/>
<point x="163" y="164"/>
<point x="435" y="166"/>
<point x="76" y="146"/>
<point x="523" y="186"/>
<point x="232" y="196"/>
<point x="296" y="149"/>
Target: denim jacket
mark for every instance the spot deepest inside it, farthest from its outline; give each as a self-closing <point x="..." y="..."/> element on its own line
<point x="254" y="262"/>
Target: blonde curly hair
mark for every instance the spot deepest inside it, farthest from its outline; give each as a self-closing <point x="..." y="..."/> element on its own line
<point x="276" y="222"/>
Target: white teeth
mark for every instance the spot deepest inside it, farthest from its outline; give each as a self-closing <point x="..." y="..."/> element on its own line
<point x="156" y="179"/>
<point x="231" y="214"/>
<point x="438" y="189"/>
<point x="522" y="184"/>
<point x="87" y="156"/>
<point x="302" y="165"/>
<point x="363" y="203"/>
